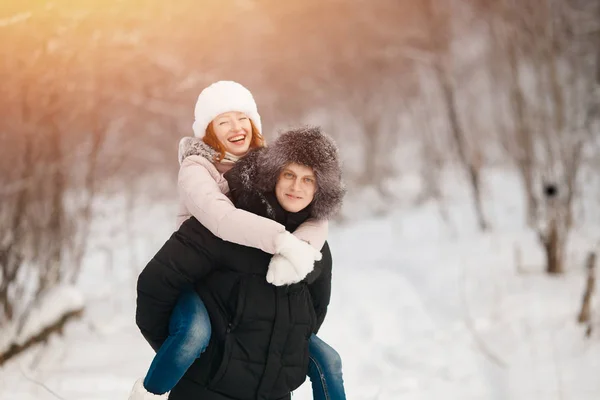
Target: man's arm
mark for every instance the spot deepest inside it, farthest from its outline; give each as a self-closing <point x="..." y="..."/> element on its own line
<point x="320" y="288"/>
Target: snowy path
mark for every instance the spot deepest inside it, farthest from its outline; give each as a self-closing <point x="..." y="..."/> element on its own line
<point x="403" y="297"/>
<point x="410" y="344"/>
<point x="392" y="346"/>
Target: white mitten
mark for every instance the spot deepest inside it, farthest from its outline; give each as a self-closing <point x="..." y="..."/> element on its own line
<point x="301" y="254"/>
<point x="282" y="272"/>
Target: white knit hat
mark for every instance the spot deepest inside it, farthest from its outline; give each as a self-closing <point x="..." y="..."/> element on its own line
<point x="222" y="97"/>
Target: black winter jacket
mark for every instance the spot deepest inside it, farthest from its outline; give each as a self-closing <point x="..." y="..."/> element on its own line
<point x="260" y="332"/>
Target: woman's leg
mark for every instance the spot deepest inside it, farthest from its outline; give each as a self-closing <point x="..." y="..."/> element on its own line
<point x="189" y="334"/>
<point x="325" y="371"/>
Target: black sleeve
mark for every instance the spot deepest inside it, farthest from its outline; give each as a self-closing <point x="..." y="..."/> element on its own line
<point x="181" y="261"/>
<point x="320" y="289"/>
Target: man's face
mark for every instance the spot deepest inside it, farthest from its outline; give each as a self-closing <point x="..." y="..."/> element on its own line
<point x="296" y="187"/>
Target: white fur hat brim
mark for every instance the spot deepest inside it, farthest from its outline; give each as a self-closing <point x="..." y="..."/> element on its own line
<point x="222" y="97"/>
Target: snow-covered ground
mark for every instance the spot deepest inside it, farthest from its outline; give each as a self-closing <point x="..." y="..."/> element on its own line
<point x="421" y="309"/>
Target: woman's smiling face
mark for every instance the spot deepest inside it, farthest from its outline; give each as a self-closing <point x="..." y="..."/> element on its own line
<point x="234" y="130"/>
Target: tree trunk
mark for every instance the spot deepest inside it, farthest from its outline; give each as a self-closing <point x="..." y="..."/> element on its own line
<point x="526" y="172"/>
<point x="370" y="151"/>
<point x="554" y="246"/>
<point x="472" y="168"/>
<point x="11" y="254"/>
<point x="52" y="271"/>
<point x="80" y="245"/>
<point x="524" y="139"/>
<point x="586" y="305"/>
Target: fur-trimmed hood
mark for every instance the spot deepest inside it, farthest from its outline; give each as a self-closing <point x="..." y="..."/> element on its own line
<point x="192" y="146"/>
<point x="256" y="174"/>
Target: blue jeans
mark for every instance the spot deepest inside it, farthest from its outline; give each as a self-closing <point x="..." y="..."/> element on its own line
<point x="189" y="335"/>
<point x="325" y="371"/>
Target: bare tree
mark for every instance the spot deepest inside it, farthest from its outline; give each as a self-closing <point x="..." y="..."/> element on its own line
<point x="546" y="133"/>
<point x="423" y="121"/>
<point x="586" y="303"/>
<point x="64" y="112"/>
<point x="345" y="61"/>
<point x="437" y="45"/>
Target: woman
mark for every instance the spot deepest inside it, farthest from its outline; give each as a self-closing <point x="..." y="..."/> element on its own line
<point x="227" y="125"/>
<point x="259" y="348"/>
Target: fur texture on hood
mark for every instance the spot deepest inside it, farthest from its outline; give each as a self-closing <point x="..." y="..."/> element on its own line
<point x="192" y="146"/>
<point x="257" y="173"/>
